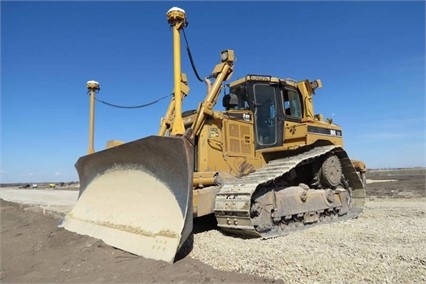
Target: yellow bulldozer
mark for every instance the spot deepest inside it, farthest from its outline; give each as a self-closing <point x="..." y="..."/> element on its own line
<point x="265" y="165"/>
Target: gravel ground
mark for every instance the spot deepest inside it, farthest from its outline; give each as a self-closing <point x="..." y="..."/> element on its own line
<point x="386" y="244"/>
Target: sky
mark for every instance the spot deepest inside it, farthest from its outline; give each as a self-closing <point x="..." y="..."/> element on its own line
<point x="369" y="55"/>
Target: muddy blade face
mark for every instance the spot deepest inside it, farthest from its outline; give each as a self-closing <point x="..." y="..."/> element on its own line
<point x="137" y="196"/>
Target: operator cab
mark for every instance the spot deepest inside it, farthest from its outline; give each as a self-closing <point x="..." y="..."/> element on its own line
<point x="271" y="100"/>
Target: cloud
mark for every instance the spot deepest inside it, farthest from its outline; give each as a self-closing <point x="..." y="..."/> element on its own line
<point x="27" y="174"/>
<point x="58" y="174"/>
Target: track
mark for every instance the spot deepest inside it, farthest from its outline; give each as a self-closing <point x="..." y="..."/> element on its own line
<point x="260" y="204"/>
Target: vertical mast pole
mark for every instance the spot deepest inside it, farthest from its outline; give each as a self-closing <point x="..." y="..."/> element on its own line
<point x="93" y="88"/>
<point x="177" y="19"/>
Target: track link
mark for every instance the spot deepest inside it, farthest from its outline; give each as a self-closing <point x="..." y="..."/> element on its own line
<point x="234" y="201"/>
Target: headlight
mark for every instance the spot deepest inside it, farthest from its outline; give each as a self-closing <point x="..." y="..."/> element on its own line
<point x="227" y="55"/>
<point x="224" y="55"/>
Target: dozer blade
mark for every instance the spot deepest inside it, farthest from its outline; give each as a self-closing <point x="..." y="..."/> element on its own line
<point x="137" y="196"/>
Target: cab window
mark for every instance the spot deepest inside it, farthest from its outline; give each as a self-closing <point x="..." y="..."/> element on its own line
<point x="292" y="105"/>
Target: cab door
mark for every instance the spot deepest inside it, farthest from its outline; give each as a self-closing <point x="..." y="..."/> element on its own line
<point x="268" y="128"/>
